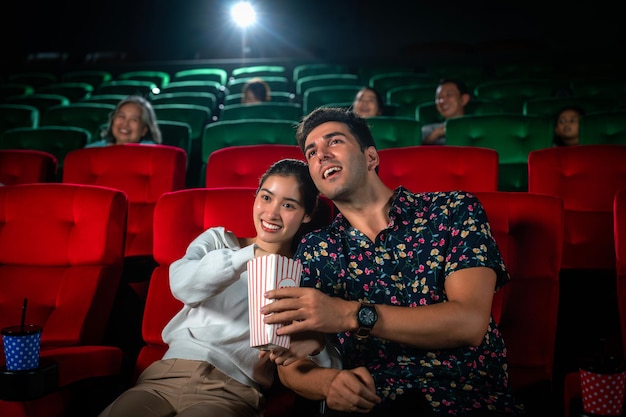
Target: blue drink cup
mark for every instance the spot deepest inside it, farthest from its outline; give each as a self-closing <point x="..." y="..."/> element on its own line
<point x="21" y="347"/>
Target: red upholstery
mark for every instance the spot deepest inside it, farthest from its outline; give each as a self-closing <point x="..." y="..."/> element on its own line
<point x="61" y="247"/>
<point x="179" y="217"/>
<point x="242" y="166"/>
<point x="439" y="168"/>
<point x="143" y="172"/>
<point x="529" y="231"/>
<point x="586" y="177"/>
<point x="23" y="166"/>
<point x="571" y="388"/>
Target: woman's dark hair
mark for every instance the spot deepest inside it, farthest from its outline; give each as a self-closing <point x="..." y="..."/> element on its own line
<point x="300" y="170"/>
<point x="259" y="88"/>
<point x="356" y="124"/>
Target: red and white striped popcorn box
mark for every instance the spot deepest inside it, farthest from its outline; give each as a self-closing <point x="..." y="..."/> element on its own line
<point x="267" y="273"/>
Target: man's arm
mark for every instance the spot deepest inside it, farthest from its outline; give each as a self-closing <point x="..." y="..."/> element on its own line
<point x="460" y="321"/>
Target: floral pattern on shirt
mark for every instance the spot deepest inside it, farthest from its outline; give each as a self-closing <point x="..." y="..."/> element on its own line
<point x="429" y="236"/>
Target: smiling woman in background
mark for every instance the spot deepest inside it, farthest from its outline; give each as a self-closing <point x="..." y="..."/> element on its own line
<point x="132" y="121"/>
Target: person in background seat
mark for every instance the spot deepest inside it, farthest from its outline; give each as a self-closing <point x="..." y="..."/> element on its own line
<point x="451" y="97"/>
<point x="132" y="121"/>
<point x="566" y="126"/>
<point x="256" y="91"/>
<point x="368" y="103"/>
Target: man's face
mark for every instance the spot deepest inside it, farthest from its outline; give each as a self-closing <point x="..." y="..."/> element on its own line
<point x="449" y="100"/>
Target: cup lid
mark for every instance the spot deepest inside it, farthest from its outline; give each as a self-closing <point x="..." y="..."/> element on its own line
<point x="28" y="329"/>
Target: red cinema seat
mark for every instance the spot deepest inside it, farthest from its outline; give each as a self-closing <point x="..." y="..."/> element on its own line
<point x="179" y="218"/>
<point x="243" y="166"/>
<point x="572" y="389"/>
<point x="24" y="166"/>
<point x="439" y="168"/>
<point x="529" y="231"/>
<point x="61" y="248"/>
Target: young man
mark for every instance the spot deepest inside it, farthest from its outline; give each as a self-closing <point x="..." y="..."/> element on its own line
<point x="403" y="282"/>
<point x="451" y="98"/>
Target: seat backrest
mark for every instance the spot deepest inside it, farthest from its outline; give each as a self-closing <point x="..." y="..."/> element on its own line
<point x="513" y="136"/>
<point x="57" y="140"/>
<point x="126" y="87"/>
<point x="199" y="99"/>
<point x="92" y="77"/>
<point x="259" y="71"/>
<point x="176" y="134"/>
<point x="383" y="82"/>
<point x="18" y="115"/>
<point x="277" y="97"/>
<point x="35" y="79"/>
<point x="275" y="83"/>
<point x="222" y="134"/>
<point x="71" y="275"/>
<point x="395" y="132"/>
<point x="202" y="74"/>
<point x="550" y="106"/>
<point x="324" y="80"/>
<point x="243" y="166"/>
<point x="439" y="168"/>
<point x="262" y="110"/>
<point x="527" y="227"/>
<point x="159" y="78"/>
<point x="195" y="116"/>
<point x="143" y="172"/>
<point x="315" y="97"/>
<point x="24" y="166"/>
<point x="607" y="127"/>
<point x="619" y="233"/>
<point x="41" y="101"/>
<point x="89" y="116"/>
<point x="74" y="91"/>
<point x="196" y="86"/>
<point x="586" y="177"/>
<point x="514" y="92"/>
<point x="304" y="70"/>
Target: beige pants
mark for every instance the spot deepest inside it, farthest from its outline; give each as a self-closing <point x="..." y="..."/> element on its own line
<point x="178" y="387"/>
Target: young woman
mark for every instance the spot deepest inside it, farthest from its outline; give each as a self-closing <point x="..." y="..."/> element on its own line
<point x="209" y="368"/>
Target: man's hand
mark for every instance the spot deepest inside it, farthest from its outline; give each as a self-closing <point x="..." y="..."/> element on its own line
<point x="352" y="391"/>
<point x="301" y="346"/>
<point x="308" y="309"/>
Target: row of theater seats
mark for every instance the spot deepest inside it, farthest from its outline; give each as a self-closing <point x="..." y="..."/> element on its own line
<point x="570" y="175"/>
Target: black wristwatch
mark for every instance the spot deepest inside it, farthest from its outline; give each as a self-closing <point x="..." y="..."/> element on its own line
<point x="366" y="318"/>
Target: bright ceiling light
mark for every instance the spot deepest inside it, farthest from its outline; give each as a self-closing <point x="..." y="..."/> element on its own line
<point x="243" y="14"/>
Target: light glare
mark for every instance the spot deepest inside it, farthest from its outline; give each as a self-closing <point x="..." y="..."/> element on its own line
<point x="243" y="14"/>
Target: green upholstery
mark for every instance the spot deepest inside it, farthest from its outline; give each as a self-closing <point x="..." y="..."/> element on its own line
<point x="259" y="71"/>
<point x="323" y="80"/>
<point x="408" y="97"/>
<point x="212" y="87"/>
<point x="18" y="115"/>
<point x="514" y="92"/>
<point x="428" y="113"/>
<point x="91" y="77"/>
<point x="304" y="70"/>
<point x="202" y="74"/>
<point x="277" y="97"/>
<point x="275" y="83"/>
<point x="196" y="116"/>
<point x="395" y="132"/>
<point x="318" y="96"/>
<point x="57" y="140"/>
<point x="74" y="91"/>
<point x="159" y="78"/>
<point x="126" y="87"/>
<point x="550" y="106"/>
<point x="8" y="90"/>
<point x="245" y="132"/>
<point x="41" y="101"/>
<point x="366" y="72"/>
<point x="35" y="79"/>
<point x="208" y="100"/>
<point x="265" y="110"/>
<point x="385" y="81"/>
<point x="601" y="87"/>
<point x="105" y="98"/>
<point x="603" y="128"/>
<point x="513" y="136"/>
<point x="89" y="116"/>
<point x="176" y="134"/>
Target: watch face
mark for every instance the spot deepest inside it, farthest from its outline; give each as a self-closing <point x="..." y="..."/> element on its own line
<point x="367" y="316"/>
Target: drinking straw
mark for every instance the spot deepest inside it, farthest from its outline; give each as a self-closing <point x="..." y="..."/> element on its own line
<point x="24" y="313"/>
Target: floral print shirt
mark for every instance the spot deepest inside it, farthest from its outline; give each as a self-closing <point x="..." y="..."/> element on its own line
<point x="429" y="236"/>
